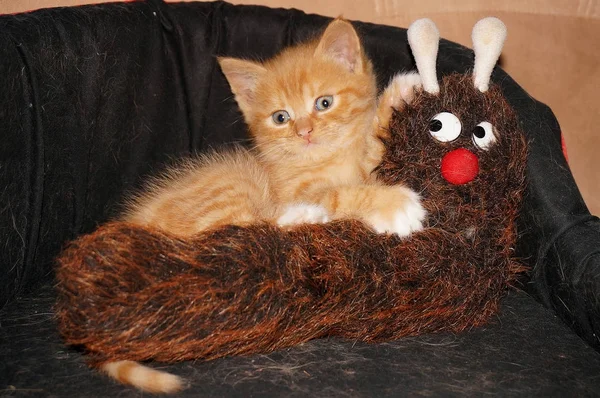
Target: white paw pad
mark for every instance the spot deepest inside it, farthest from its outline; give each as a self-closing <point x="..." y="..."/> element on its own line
<point x="303" y="213"/>
<point x="405" y="220"/>
<point x="404" y="86"/>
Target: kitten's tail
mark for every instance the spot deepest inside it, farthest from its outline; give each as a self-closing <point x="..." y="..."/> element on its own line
<point x="143" y="377"/>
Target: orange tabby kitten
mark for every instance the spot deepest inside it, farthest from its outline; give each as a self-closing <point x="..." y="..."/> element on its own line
<point x="311" y="112"/>
<point x="314" y="117"/>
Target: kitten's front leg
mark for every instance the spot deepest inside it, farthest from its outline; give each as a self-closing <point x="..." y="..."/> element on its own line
<point x="401" y="218"/>
<point x="303" y="213"/>
<point x="399" y="92"/>
<point x="386" y="209"/>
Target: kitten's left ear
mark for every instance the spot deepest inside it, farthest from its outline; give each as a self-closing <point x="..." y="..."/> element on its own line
<point x="341" y="43"/>
<point x="243" y="77"/>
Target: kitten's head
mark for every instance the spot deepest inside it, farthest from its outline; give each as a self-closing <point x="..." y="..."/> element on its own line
<point x="309" y="101"/>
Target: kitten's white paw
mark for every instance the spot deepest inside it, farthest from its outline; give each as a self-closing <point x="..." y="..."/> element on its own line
<point x="404" y="220"/>
<point x="403" y="87"/>
<point x="303" y="213"/>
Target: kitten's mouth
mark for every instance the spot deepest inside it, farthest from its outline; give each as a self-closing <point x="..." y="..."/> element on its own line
<point x="308" y="141"/>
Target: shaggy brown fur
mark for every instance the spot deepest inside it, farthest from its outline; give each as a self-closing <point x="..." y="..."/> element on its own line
<point x="134" y="293"/>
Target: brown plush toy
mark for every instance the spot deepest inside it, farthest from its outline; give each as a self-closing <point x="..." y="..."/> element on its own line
<point x="130" y="293"/>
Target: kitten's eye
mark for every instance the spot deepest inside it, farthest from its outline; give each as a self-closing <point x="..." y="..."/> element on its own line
<point x="445" y="127"/>
<point x="281" y="117"/>
<point x="324" y="102"/>
<point x="483" y="135"/>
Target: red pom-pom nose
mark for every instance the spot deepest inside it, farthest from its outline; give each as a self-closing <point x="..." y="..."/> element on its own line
<point x="460" y="166"/>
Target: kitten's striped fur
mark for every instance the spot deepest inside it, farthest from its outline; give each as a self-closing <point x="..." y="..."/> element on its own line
<point x="229" y="187"/>
<point x="314" y="167"/>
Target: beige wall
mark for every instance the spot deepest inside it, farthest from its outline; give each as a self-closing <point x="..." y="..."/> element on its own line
<point x="552" y="50"/>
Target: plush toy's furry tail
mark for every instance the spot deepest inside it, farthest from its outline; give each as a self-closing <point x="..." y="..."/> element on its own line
<point x="128" y="293"/>
<point x="142" y="377"/>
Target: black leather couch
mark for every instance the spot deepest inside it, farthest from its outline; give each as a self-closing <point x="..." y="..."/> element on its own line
<point x="95" y="98"/>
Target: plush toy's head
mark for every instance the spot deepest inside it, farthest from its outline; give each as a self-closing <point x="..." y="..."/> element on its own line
<point x="458" y="142"/>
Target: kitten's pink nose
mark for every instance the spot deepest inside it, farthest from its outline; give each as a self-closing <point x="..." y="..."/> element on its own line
<point x="303" y="127"/>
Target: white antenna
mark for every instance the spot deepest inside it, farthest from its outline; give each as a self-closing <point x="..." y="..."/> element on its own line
<point x="488" y="38"/>
<point x="424" y="38"/>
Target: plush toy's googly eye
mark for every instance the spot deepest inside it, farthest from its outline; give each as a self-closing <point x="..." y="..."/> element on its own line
<point x="445" y="127"/>
<point x="483" y="135"/>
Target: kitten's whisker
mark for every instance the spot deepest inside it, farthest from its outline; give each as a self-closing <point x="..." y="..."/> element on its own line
<point x="235" y="121"/>
<point x="228" y="98"/>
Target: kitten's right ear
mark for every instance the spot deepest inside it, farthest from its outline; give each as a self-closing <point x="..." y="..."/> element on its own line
<point x="243" y="77"/>
<point x="341" y="43"/>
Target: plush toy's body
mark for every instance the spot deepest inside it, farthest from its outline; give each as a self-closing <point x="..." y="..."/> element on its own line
<point x="131" y="293"/>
